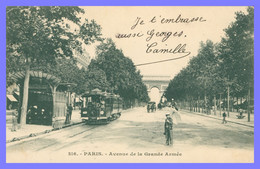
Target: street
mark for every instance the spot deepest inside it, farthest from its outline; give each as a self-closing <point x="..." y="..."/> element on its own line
<point x="137" y="136"/>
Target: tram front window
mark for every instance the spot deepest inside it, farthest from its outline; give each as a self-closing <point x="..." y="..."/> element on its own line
<point x="93" y="101"/>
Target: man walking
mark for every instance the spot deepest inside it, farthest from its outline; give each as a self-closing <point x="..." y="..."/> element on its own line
<point x="70" y="108"/>
<point x="224" y="118"/>
<point x="67" y="121"/>
<point x="168" y="126"/>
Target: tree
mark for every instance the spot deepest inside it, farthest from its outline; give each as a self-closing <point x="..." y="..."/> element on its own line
<point x="39" y="35"/>
<point x="67" y="70"/>
<point x="237" y="53"/>
<point x="120" y="72"/>
<point x="96" y="78"/>
<point x="220" y="67"/>
<point x="200" y="76"/>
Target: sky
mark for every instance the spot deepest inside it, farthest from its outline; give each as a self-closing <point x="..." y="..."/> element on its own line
<point x="120" y="20"/>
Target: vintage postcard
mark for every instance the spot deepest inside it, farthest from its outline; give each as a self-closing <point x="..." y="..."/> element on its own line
<point x="130" y="84"/>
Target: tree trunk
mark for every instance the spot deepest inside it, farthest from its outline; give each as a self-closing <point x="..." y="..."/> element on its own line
<point x="215" y="107"/>
<point x="199" y="104"/>
<point x="196" y="109"/>
<point x="224" y="103"/>
<point x="190" y="104"/>
<point x="25" y="95"/>
<point x="220" y="104"/>
<point x="20" y="103"/>
<point x="228" y="101"/>
<point x="194" y="105"/>
<point x="248" y="106"/>
<point x="237" y="103"/>
<point x="232" y="104"/>
<point x="241" y="101"/>
<point x="205" y="103"/>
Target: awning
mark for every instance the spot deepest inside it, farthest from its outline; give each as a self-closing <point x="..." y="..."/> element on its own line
<point x="39" y="74"/>
<point x="11" y="98"/>
<point x="53" y="80"/>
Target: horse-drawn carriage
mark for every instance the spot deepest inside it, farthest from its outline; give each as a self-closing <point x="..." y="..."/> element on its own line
<point x="151" y="106"/>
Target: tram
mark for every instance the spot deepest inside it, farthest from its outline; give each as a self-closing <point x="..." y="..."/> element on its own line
<point x="100" y="107"/>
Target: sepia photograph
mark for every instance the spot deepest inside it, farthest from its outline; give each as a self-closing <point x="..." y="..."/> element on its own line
<point x="129" y="84"/>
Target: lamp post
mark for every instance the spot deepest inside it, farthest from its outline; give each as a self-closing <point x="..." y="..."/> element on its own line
<point x="220" y="103"/>
<point x="228" y="93"/>
<point x="248" y="104"/>
<point x="69" y="95"/>
<point x="215" y="107"/>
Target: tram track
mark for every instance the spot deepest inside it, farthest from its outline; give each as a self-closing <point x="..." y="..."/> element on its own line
<point x="67" y="140"/>
<point x="57" y="139"/>
<point x="83" y="132"/>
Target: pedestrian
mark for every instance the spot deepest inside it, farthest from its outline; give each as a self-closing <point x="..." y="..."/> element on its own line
<point x="174" y="105"/>
<point x="168" y="129"/>
<point x="102" y="102"/>
<point x="148" y="107"/>
<point x="224" y="117"/>
<point x="54" y="124"/>
<point x="240" y="113"/>
<point x="14" y="120"/>
<point x="70" y="108"/>
<point x="29" y="115"/>
<point x="42" y="117"/>
<point x="67" y="121"/>
<point x="159" y="106"/>
<point x="35" y="115"/>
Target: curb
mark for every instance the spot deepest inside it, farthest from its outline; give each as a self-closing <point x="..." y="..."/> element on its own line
<point x="186" y="111"/>
<point x="40" y="133"/>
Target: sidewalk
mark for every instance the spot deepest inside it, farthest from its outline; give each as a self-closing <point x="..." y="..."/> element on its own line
<point x="232" y="117"/>
<point x="31" y="130"/>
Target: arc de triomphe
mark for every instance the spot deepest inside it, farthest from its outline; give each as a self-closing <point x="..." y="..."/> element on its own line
<point x="159" y="82"/>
